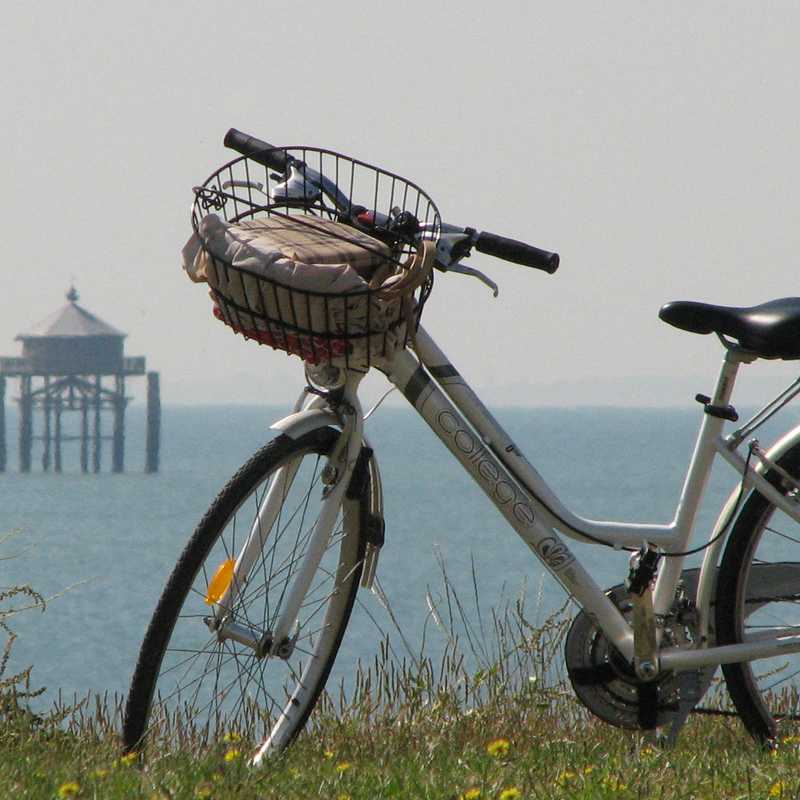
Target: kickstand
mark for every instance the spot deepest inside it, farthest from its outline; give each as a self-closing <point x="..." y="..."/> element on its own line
<point x="692" y="685"/>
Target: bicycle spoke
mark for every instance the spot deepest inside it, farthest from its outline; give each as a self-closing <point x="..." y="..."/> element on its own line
<point x="207" y="678"/>
<point x="786" y="536"/>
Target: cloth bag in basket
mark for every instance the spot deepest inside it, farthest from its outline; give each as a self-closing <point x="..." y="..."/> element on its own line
<point x="297" y="282"/>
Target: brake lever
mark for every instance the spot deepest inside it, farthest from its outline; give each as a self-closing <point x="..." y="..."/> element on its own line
<point x="475" y="273"/>
<point x="454" y="244"/>
<point x="257" y="185"/>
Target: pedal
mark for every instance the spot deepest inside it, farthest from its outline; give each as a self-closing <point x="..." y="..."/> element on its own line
<point x="644" y="566"/>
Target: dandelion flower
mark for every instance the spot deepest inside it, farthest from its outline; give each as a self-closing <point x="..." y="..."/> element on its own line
<point x="232" y="754"/>
<point x="778" y="789"/>
<point x="231" y="736"/>
<point x="510" y="793"/>
<point x="473" y="793"/>
<point x="343" y="766"/>
<point x="68" y="789"/>
<point x="128" y="759"/>
<point x="498" y="748"/>
<point x="565" y="777"/>
<point x="327" y="755"/>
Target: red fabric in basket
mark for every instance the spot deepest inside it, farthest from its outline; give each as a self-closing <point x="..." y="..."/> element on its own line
<point x="313" y="349"/>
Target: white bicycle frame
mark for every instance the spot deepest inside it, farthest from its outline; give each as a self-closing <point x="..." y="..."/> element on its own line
<point x="457" y="416"/>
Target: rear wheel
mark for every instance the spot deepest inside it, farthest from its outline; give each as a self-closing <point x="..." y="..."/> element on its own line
<point x="188" y="682"/>
<point x="758" y="595"/>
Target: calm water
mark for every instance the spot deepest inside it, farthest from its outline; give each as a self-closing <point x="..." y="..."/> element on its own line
<point x="110" y="541"/>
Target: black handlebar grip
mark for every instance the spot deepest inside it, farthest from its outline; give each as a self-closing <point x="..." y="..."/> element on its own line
<point x="262" y="152"/>
<point x="516" y="252"/>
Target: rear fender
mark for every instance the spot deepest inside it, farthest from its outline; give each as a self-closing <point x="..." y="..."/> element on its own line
<point x="708" y="571"/>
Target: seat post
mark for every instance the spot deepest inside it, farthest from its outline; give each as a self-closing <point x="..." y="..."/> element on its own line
<point x="734" y="356"/>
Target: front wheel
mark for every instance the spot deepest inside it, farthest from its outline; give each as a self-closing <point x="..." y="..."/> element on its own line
<point x="189" y="681"/>
<point x="758" y="595"/>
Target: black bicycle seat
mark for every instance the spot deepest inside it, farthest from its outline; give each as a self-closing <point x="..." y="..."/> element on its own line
<point x="770" y="330"/>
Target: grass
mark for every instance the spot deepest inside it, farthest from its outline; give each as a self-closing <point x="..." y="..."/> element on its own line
<point x="521" y="747"/>
<point x="508" y="728"/>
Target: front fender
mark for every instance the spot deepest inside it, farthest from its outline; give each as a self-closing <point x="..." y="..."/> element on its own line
<point x="302" y="422"/>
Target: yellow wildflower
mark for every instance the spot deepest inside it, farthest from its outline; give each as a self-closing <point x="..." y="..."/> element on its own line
<point x="232" y="754"/>
<point x="128" y="759"/>
<point x="498" y="748"/>
<point x="473" y="793"/>
<point x="231" y="737"/>
<point x="327" y="755"/>
<point x="778" y="789"/>
<point x="510" y="793"/>
<point x="589" y="770"/>
<point x="615" y="784"/>
<point x="565" y="777"/>
<point x="343" y="766"/>
<point x="68" y="789"/>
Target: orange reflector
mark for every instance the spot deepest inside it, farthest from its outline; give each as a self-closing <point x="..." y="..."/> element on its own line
<point x="220" y="582"/>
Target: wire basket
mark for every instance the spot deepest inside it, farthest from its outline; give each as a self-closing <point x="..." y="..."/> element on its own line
<point x="350" y="204"/>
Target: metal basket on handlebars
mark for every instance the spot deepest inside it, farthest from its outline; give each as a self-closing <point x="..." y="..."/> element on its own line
<point x="373" y="221"/>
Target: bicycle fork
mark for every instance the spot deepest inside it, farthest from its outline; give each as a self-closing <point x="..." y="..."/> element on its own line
<point x="335" y="477"/>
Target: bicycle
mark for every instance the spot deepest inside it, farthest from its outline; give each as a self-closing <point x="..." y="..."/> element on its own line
<point x="268" y="580"/>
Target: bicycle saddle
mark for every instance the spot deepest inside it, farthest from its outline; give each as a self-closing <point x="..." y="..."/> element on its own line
<point x="770" y="330"/>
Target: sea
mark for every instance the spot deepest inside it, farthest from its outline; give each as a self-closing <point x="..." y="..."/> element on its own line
<point x="99" y="547"/>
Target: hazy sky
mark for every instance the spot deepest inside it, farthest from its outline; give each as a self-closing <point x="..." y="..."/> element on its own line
<point x="654" y="145"/>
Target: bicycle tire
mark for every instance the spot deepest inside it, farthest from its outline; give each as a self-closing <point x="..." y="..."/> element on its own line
<point x="758" y="586"/>
<point x="229" y="692"/>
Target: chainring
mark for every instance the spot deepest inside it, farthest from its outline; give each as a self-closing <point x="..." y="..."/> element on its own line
<point x="607" y="685"/>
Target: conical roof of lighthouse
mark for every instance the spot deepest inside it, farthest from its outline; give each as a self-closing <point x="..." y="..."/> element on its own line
<point x="72" y="320"/>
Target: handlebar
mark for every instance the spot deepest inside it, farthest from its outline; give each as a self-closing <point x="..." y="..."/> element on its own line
<point x="484" y="242"/>
<point x="260" y="151"/>
<point x="516" y="252"/>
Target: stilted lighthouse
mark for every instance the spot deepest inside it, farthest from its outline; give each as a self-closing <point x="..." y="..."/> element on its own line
<point x="72" y="361"/>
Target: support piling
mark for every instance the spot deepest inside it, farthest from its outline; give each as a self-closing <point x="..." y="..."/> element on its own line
<point x="118" y="452"/>
<point x="153" y="422"/>
<point x="25" y="424"/>
<point x="98" y="441"/>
